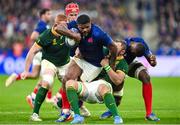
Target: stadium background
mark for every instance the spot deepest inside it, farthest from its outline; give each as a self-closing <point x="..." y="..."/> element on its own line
<point x="157" y="21"/>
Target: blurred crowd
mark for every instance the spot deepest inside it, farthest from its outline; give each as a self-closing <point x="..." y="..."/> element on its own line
<point x="157" y="21"/>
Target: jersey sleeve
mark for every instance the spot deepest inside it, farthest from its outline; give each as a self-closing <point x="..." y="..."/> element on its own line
<point x="122" y="66"/>
<point x="40" y="28"/>
<point x="72" y="24"/>
<point x="105" y="38"/>
<point x="41" y="40"/>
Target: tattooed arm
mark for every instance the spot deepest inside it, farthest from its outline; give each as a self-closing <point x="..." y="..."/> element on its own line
<point x="62" y="29"/>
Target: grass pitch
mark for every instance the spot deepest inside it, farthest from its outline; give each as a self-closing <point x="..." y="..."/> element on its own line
<point x="166" y="103"/>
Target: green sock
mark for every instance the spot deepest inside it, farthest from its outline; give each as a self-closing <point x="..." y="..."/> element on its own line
<point x="73" y="99"/>
<point x="110" y="104"/>
<point x="59" y="103"/>
<point x="40" y="96"/>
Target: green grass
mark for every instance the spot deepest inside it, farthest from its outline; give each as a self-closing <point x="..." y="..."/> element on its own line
<point x="166" y="103"/>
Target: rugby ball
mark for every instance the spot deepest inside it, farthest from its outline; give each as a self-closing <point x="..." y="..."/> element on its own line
<point x="71" y="42"/>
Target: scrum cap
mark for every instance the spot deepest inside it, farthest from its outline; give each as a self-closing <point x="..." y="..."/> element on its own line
<point x="72" y="7"/>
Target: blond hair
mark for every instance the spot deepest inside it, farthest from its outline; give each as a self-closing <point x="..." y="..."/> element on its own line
<point x="60" y="17"/>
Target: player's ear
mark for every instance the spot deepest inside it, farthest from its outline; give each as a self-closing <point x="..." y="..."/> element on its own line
<point x="122" y="52"/>
<point x="55" y="25"/>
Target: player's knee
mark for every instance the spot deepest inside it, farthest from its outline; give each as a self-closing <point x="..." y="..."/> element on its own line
<point x="45" y="85"/>
<point x="49" y="79"/>
<point x="103" y="89"/>
<point x="144" y="76"/>
<point x="68" y="77"/>
<point x="73" y="73"/>
<point x="71" y="84"/>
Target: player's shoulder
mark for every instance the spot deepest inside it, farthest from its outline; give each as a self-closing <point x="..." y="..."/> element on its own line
<point x="45" y="33"/>
<point x="41" y="26"/>
<point x="72" y="24"/>
<point x="41" y="23"/>
<point x="122" y="64"/>
<point x="97" y="31"/>
<point x="121" y="60"/>
<point x="44" y="37"/>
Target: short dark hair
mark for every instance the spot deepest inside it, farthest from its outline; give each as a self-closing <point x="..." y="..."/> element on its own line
<point x="43" y="11"/>
<point x="83" y="19"/>
<point x="123" y="42"/>
<point x="140" y="49"/>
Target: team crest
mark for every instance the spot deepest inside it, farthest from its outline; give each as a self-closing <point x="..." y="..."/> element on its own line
<point x="90" y="40"/>
<point x="54" y="42"/>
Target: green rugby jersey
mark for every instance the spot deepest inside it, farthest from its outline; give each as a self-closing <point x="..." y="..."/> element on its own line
<point x="120" y="65"/>
<point x="54" y="48"/>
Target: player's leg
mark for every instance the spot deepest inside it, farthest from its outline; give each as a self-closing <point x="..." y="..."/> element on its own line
<point x="105" y="92"/>
<point x="48" y="73"/>
<point x="147" y="94"/>
<point x="73" y="88"/>
<point x="31" y="97"/>
<point x="73" y="72"/>
<point x="15" y="77"/>
<point x="34" y="74"/>
<point x="57" y="103"/>
<point x="118" y="94"/>
<point x="49" y="98"/>
<point x="12" y="78"/>
<point x="90" y="72"/>
<point x="36" y="70"/>
<point x="138" y="71"/>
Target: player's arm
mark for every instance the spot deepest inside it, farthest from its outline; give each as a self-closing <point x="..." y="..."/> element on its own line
<point x="37" y="31"/>
<point x="109" y="43"/>
<point x="34" y="49"/>
<point x="148" y="54"/>
<point x="151" y="59"/>
<point x="113" y="50"/>
<point x="34" y="35"/>
<point x="117" y="77"/>
<point x="62" y="29"/>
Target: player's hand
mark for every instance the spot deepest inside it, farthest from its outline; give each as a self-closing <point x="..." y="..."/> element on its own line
<point x="104" y="62"/>
<point x="152" y="60"/>
<point x="24" y="75"/>
<point x="60" y="28"/>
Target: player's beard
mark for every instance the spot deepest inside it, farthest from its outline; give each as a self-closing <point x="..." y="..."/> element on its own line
<point x="84" y="34"/>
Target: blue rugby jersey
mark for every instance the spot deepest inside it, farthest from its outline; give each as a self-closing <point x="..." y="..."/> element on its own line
<point x="129" y="57"/>
<point x="91" y="46"/>
<point x="41" y="26"/>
